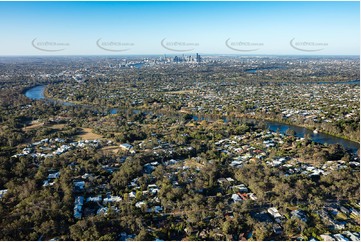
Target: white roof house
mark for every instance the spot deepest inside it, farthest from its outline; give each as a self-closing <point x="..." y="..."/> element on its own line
<point x="241" y="188"/>
<point x="112" y="199"/>
<point x="94" y="199"/>
<point x="236" y="198"/>
<point x="3" y="192"/>
<point x="54" y="175"/>
<point x="274" y="212"/>
<point x="327" y="237"/>
<point x="126" y="146"/>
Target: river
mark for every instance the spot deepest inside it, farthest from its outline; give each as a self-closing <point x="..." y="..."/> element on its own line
<point x="37" y="93"/>
<point x="319" y="137"/>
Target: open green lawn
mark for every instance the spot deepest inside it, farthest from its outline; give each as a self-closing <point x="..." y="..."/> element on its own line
<point x="341" y="216"/>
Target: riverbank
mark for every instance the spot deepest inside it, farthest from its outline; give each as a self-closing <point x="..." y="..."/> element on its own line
<point x="39" y="92"/>
<point x="323" y="138"/>
<point x="300" y="126"/>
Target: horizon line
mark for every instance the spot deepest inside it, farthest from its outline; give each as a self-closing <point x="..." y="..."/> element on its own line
<point x="204" y="54"/>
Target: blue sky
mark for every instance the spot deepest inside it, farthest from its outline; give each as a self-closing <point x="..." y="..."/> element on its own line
<point x="139" y="27"/>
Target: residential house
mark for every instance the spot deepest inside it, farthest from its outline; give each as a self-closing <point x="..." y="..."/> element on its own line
<point x="127" y="147"/>
<point x="55" y="175"/>
<point x="105" y="210"/>
<point x="2" y="193"/>
<point x="340" y="237"/>
<point x="274" y="212"/>
<point x="327" y="237"/>
<point x="111" y="199"/>
<point x="351" y="236"/>
<point x="240" y="188"/>
<point x="222" y="180"/>
<point x="124" y="236"/>
<point x="355" y="211"/>
<point x="132" y="194"/>
<point x="236" y="198"/>
<point x="95" y="199"/>
<point x="252" y="196"/>
<point x="78" y="206"/>
<point x="344" y="210"/>
<point x="155" y="209"/>
<point x="140" y="204"/>
<point x="277" y="229"/>
<point x="300" y="214"/>
<point x="79" y="186"/>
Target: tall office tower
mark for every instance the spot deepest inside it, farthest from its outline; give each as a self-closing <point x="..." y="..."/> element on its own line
<point x="189" y="59"/>
<point x="198" y="58"/>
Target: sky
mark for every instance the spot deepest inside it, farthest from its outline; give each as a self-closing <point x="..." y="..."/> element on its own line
<point x="142" y="28"/>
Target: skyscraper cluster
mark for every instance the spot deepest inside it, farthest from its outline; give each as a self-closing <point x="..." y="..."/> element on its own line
<point x="187" y="59"/>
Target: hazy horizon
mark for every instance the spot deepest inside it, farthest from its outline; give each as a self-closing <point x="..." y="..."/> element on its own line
<point x="158" y="28"/>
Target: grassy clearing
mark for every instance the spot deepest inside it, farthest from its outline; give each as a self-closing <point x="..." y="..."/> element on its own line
<point x="354" y="217"/>
<point x="57" y="126"/>
<point x="87" y="134"/>
<point x="355" y="205"/>
<point x="192" y="163"/>
<point x="33" y="125"/>
<point x="180" y="92"/>
<point x="110" y="149"/>
<point x="37" y="124"/>
<point x="341" y="216"/>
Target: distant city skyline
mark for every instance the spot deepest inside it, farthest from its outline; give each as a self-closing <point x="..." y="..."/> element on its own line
<point x="177" y="28"/>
